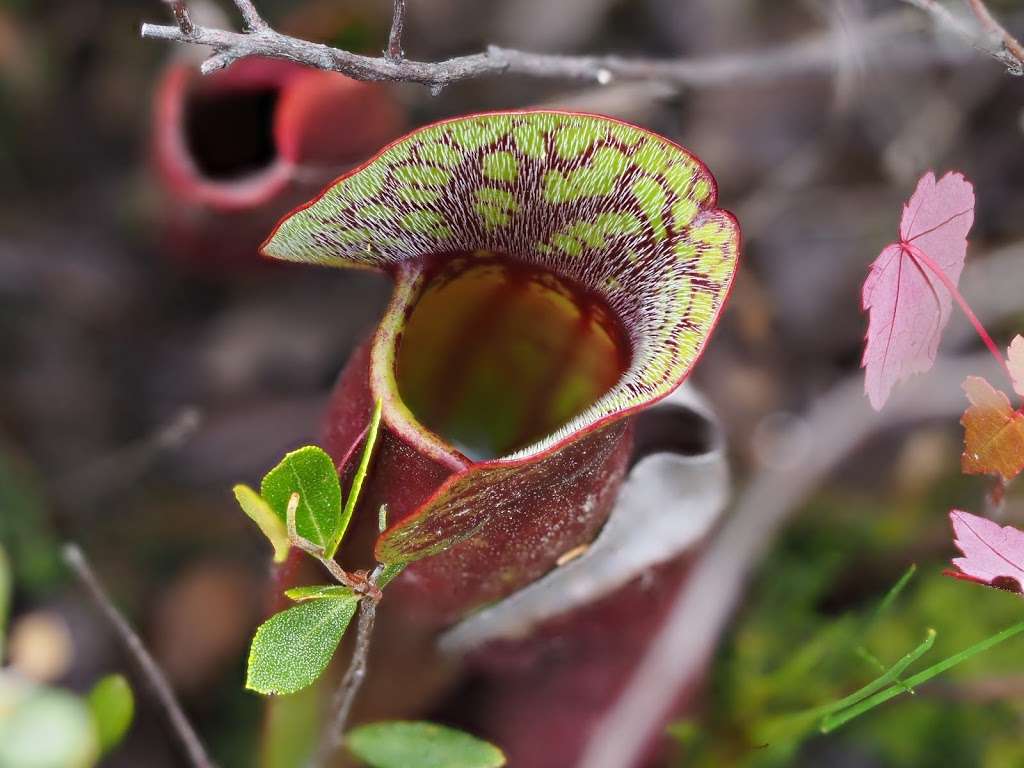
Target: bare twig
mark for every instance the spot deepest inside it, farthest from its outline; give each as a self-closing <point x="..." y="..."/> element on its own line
<point x="334" y="735"/>
<point x="251" y="19"/>
<point x="120" y="469"/>
<point x="394" y="50"/>
<point x="945" y="18"/>
<point x="1011" y="45"/>
<point x="182" y="16"/>
<point x="817" y="55"/>
<point x="1000" y="51"/>
<point x="194" y="749"/>
<point x="357" y="582"/>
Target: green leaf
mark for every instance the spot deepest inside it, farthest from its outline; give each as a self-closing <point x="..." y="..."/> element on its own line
<point x="5" y="599"/>
<point x="324" y="591"/>
<point x="360" y="476"/>
<point x="310" y="472"/>
<point x="833" y="721"/>
<point x="400" y="744"/>
<point x="256" y="507"/>
<point x="292" y="648"/>
<point x="113" y="708"/>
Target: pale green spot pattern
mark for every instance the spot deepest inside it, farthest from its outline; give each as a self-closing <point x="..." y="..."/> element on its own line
<point x="594" y="180"/>
<point x="501" y="166"/>
<point x="570" y="143"/>
<point x="651" y="196"/>
<point x="529" y="141"/>
<point x="439" y="154"/>
<point x="615" y="208"/>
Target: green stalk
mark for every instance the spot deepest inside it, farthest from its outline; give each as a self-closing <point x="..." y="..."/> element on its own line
<point x="833" y="721"/>
<point x="360" y="476"/>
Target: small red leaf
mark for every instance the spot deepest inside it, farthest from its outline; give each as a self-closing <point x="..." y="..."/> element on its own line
<point x="1015" y="363"/>
<point x="993" y="555"/>
<point x="993" y="432"/>
<point x="907" y="305"/>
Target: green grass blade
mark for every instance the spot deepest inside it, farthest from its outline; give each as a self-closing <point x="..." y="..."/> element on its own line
<point x="884" y="679"/>
<point x="360" y="476"/>
<point x="892" y="594"/>
<point x="838" y="719"/>
<point x="790" y="725"/>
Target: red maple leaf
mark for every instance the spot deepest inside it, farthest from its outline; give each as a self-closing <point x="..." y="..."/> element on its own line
<point x="993" y="555"/>
<point x="908" y="291"/>
<point x="993" y="432"/>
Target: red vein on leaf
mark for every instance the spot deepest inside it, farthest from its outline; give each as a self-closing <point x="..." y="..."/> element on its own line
<point x="895" y="309"/>
<point x="922" y="258"/>
<point x="984" y="541"/>
<point x="932" y="229"/>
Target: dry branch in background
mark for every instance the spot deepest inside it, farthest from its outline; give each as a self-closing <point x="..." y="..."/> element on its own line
<point x="198" y="757"/>
<point x="1013" y="50"/>
<point x="818" y="55"/>
<point x="991" y="39"/>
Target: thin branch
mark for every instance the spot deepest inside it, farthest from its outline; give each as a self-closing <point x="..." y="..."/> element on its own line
<point x="357" y="582"/>
<point x="817" y="55"/>
<point x="196" y="752"/>
<point x="394" y="51"/>
<point x="181" y="15"/>
<point x="1001" y="52"/>
<point x="1011" y="45"/>
<point x="251" y="19"/>
<point x="942" y="15"/>
<point x="117" y="470"/>
<point x="345" y="698"/>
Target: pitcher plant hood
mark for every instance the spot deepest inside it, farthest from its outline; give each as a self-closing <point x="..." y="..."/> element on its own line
<point x="554" y="273"/>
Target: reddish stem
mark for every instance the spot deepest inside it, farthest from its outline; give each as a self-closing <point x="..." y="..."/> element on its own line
<point x="923" y="259"/>
<point x="988" y="21"/>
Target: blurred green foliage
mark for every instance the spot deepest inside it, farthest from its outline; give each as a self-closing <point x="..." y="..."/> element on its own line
<point x="808" y="635"/>
<point x="112" y="704"/>
<point x="398" y="744"/>
<point x="24" y="528"/>
<point x="43" y="727"/>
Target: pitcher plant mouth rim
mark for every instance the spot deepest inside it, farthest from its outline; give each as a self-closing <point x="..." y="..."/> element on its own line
<point x="407" y="275"/>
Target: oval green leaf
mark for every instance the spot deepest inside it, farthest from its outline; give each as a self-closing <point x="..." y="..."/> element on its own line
<point x="257" y="509"/>
<point x="292" y="648"/>
<point x="400" y="744"/>
<point x="310" y="472"/>
<point x="113" y="708"/>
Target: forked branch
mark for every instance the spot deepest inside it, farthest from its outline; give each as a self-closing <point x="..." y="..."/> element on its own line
<point x="991" y="39"/>
<point x="1012" y="47"/>
<point x="820" y="55"/>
